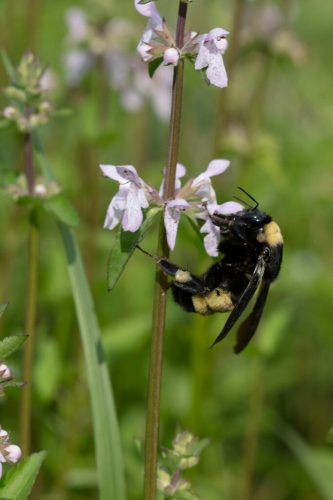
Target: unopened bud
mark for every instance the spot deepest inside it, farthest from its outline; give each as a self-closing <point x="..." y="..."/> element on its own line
<point x="5" y="372"/>
<point x="171" y="56"/>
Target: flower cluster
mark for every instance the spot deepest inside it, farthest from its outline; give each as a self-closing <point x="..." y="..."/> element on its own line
<point x="185" y="453"/>
<point x="207" y="49"/>
<point x="28" y="108"/>
<point x="196" y="197"/>
<point x="9" y="453"/>
<point x="109" y="40"/>
<point x="43" y="188"/>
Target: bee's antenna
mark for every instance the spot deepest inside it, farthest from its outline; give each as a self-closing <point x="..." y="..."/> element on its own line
<point x="242" y="201"/>
<point x="251" y="197"/>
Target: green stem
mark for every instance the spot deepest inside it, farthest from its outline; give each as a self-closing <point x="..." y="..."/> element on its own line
<point x="159" y="307"/>
<point x="30" y="329"/>
<point x="252" y="432"/>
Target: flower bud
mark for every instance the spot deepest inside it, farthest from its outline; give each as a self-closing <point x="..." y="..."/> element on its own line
<point x="171" y="56"/>
<point x="5" y="372"/>
<point x="13" y="453"/>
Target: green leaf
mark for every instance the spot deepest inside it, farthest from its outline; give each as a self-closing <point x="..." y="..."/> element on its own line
<point x="9" y="68"/>
<point x="10" y="344"/>
<point x="153" y="65"/>
<point x="3" y="308"/>
<point x="107" y="438"/>
<point x="18" y="482"/>
<point x="124" y="246"/>
<point x="109" y="459"/>
<point x="62" y="209"/>
<point x="317" y="462"/>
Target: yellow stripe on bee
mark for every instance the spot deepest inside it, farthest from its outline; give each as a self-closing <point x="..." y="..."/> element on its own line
<point x="271" y="235"/>
<point x="217" y="300"/>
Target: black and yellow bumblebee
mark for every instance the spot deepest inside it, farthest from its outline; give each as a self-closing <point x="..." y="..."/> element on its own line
<point x="251" y="247"/>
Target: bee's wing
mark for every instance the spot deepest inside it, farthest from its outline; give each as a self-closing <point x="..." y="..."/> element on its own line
<point x="250" y="324"/>
<point x="244" y="298"/>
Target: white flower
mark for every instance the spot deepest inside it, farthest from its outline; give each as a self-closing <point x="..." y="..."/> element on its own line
<point x="202" y="185"/>
<point x="212" y="238"/>
<point x="76" y="20"/>
<point x="10" y="453"/>
<point x="172" y="211"/>
<point x="171" y="56"/>
<point x="5" y="372"/>
<point x="155" y="21"/>
<point x="211" y="47"/>
<point x="127" y="204"/>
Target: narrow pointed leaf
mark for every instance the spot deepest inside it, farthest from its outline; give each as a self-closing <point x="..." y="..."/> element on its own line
<point x="106" y="432"/>
<point x="17" y="483"/>
<point x="62" y="209"/>
<point x="153" y="65"/>
<point x="107" y="438"/>
<point x="10" y="344"/>
<point x="3" y="308"/>
<point x="124" y="246"/>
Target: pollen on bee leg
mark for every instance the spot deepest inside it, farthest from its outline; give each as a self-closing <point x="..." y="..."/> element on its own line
<point x="182" y="276"/>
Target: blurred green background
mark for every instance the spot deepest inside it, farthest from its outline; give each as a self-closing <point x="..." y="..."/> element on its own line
<point x="268" y="411"/>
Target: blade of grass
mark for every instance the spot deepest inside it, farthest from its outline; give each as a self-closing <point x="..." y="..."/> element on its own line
<point x="107" y="438"/>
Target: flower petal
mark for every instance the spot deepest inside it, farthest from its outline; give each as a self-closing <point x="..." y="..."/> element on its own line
<point x="217" y="167"/>
<point x="133" y="215"/>
<point x="229" y="207"/>
<point x="212" y="238"/>
<point x="172" y="212"/>
<point x="216" y="72"/>
<point x="14" y="453"/>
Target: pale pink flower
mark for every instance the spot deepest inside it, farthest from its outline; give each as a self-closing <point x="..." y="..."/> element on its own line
<point x="5" y="372"/>
<point x="133" y="195"/>
<point x="212" y="238"/>
<point x="171" y="56"/>
<point x="196" y="196"/>
<point x="212" y="46"/>
<point x="9" y="453"/>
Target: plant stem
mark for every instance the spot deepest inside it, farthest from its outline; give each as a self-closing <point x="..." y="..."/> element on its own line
<point x="223" y="113"/>
<point x="30" y="320"/>
<point x="30" y="329"/>
<point x="252" y="432"/>
<point x="159" y="307"/>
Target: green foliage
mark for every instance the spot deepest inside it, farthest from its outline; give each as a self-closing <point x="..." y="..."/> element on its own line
<point x="18" y="482"/>
<point x="10" y="344"/>
<point x="124" y="246"/>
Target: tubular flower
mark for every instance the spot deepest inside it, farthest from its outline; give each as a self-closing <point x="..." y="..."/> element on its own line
<point x="211" y="47"/>
<point x="197" y="197"/>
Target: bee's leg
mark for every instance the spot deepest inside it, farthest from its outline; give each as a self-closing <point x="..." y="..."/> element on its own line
<point x="183" y="279"/>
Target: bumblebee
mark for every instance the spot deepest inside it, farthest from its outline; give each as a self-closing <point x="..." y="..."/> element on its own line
<point x="251" y="247"/>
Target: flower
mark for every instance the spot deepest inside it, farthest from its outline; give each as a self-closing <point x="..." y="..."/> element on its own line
<point x="126" y="206"/>
<point x="5" y="372"/>
<point x="171" y="56"/>
<point x="212" y="238"/>
<point x="10" y="453"/>
<point x="197" y="197"/>
<point x="211" y="46"/>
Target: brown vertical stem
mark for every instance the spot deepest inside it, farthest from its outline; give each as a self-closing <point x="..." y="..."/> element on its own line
<point x="159" y="307"/>
<point x="30" y="321"/>
<point x="223" y="113"/>
<point x="30" y="329"/>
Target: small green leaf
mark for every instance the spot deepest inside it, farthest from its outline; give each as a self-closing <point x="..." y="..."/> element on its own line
<point x="10" y="70"/>
<point x="18" y="482"/>
<point x="10" y="344"/>
<point x="153" y="65"/>
<point x="3" y="308"/>
<point x="62" y="209"/>
<point x="124" y="246"/>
